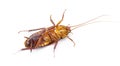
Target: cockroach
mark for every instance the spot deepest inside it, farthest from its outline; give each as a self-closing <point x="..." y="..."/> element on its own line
<point x="50" y="35"/>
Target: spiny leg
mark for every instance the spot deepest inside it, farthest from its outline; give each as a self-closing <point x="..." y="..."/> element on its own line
<point x="27" y="49"/>
<point x="61" y="19"/>
<point x="31" y="47"/>
<point x="71" y="40"/>
<point x="26" y="37"/>
<point x="55" y="46"/>
<point x="32" y="30"/>
<point x="52" y="20"/>
<point x="53" y="38"/>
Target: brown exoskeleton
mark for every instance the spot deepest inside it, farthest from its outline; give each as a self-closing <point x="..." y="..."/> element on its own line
<point x="50" y="35"/>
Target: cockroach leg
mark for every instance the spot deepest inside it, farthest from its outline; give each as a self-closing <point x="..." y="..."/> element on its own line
<point x="52" y="20"/>
<point x="55" y="45"/>
<point x="32" y="30"/>
<point x="26" y="37"/>
<point x="39" y="42"/>
<point x="61" y="19"/>
<point x="31" y="47"/>
<point x="25" y="49"/>
<point x="71" y="40"/>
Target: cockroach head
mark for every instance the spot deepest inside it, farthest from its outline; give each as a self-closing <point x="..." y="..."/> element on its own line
<point x="29" y="43"/>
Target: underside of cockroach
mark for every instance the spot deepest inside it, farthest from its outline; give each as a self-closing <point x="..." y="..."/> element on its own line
<point x="50" y="35"/>
<point x="47" y="36"/>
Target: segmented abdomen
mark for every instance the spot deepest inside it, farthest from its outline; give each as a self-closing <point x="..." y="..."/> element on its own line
<point x="49" y="37"/>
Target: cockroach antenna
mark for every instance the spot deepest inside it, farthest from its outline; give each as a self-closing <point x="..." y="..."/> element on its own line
<point x="52" y="34"/>
<point x="85" y="23"/>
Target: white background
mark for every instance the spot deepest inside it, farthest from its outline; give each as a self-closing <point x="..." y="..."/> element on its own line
<point x="97" y="44"/>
